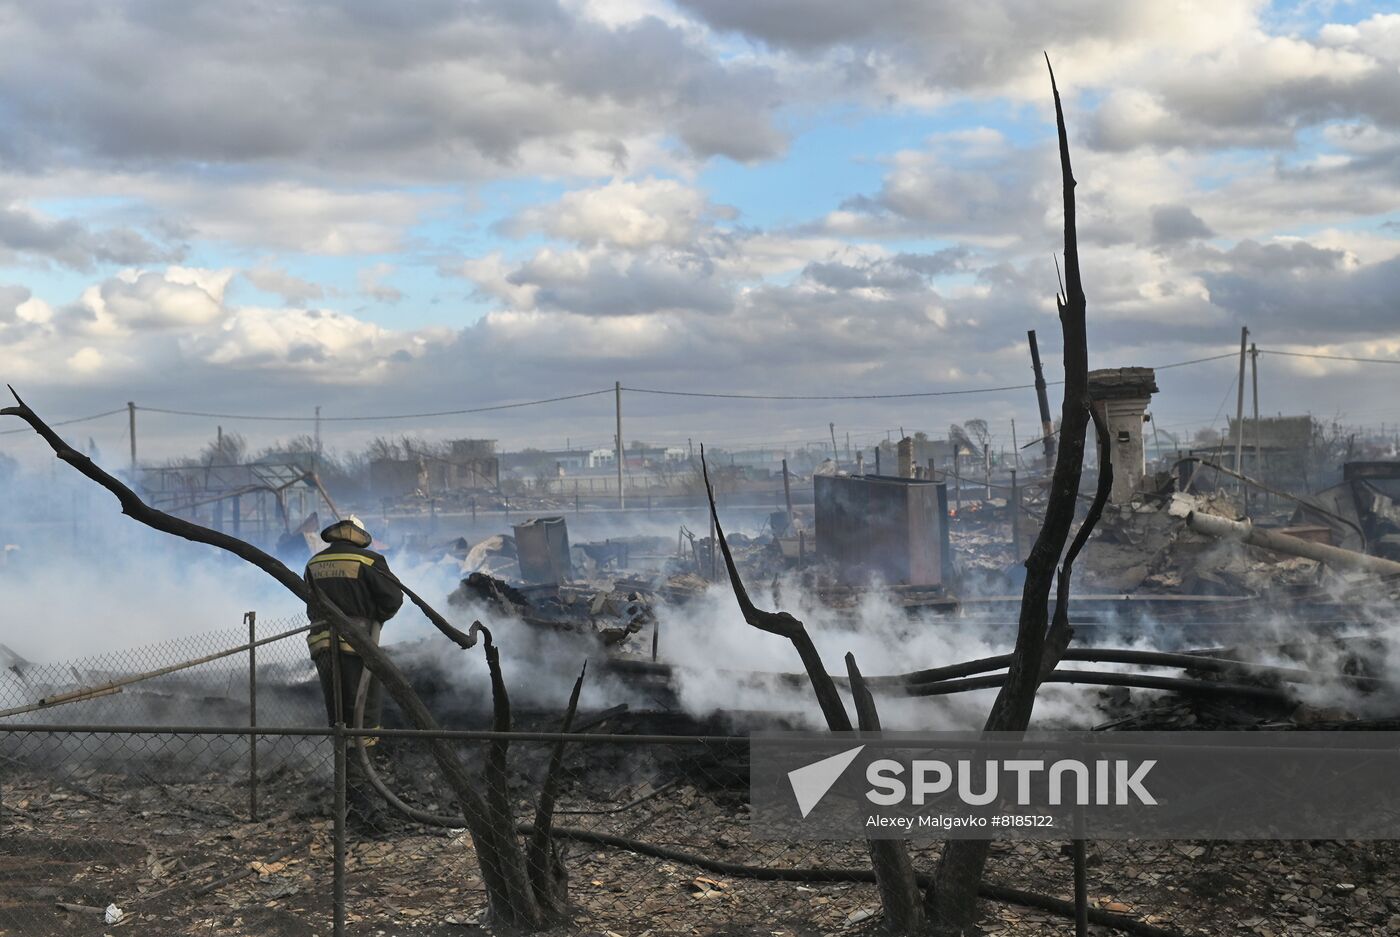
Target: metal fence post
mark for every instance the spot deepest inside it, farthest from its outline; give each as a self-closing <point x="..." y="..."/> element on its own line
<point x="338" y="886"/>
<point x="1079" y="852"/>
<point x="338" y="825"/>
<point x="251" y="620"/>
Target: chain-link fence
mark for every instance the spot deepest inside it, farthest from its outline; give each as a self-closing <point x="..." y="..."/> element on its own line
<point x="139" y="801"/>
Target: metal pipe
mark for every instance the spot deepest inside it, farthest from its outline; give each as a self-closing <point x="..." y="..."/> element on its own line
<point x="338" y="827"/>
<point x="251" y="618"/>
<point x="114" y="686"/>
<point x="338" y="884"/>
<point x="1246" y="532"/>
<point x="1081" y="889"/>
<point x="1101" y="678"/>
<point x="1142" y="658"/>
<point x="466" y="735"/>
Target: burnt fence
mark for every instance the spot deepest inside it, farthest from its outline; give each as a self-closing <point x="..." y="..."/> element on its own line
<point x="141" y="808"/>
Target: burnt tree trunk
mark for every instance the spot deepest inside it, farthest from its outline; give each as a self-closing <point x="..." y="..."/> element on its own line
<point x="951" y="897"/>
<point x="514" y="901"/>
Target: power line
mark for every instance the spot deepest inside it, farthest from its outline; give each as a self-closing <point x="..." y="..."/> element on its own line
<point x="279" y="418"/>
<point x="79" y="419"/>
<point x="391" y="416"/>
<point x="926" y="393"/>
<point x="1182" y="364"/>
<point x="1301" y="354"/>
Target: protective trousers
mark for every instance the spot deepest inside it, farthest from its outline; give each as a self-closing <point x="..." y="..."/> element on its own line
<point x="360" y="797"/>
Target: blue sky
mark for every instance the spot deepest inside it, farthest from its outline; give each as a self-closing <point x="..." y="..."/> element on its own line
<point x="487" y="202"/>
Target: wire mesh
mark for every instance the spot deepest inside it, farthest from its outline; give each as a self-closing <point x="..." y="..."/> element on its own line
<point x="157" y="825"/>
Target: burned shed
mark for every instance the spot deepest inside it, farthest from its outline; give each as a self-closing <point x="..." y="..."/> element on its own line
<point x="542" y="548"/>
<point x="878" y="527"/>
<point x="1121" y="396"/>
<point x="253" y="500"/>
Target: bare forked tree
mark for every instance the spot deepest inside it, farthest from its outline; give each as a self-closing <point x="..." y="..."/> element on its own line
<point x="948" y="905"/>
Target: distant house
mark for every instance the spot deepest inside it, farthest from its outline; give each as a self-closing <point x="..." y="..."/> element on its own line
<point x="470" y="464"/>
<point x="1285" y="450"/>
<point x="467" y="465"/>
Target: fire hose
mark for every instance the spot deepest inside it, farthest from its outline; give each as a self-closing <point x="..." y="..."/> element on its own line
<point x="723" y="867"/>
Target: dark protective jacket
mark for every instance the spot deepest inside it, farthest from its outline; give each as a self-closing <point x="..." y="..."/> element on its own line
<point x="358" y="581"/>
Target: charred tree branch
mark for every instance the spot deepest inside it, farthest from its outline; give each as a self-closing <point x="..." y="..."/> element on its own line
<point x="889" y="858"/>
<point x="502" y="858"/>
<point x="894" y="871"/>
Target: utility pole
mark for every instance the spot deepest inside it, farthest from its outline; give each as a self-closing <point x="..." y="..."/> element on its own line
<point x="1047" y="428"/>
<point x="787" y="492"/>
<point x="621" y="498"/>
<point x="1239" y="414"/>
<point x="1014" y="503"/>
<point x="1258" y="470"/>
<point x="131" y="426"/>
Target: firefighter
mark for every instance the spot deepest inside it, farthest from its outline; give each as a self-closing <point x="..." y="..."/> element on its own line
<point x="357" y="581"/>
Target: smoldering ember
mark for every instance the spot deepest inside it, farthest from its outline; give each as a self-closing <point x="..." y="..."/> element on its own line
<point x="813" y="372"/>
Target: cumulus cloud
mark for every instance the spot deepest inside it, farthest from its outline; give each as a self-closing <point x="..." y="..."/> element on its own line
<point x="326" y="346"/>
<point x="435" y="89"/>
<point x="597" y="283"/>
<point x="1260" y="90"/>
<point x="294" y="290"/>
<point x="917" y="50"/>
<point x="1174" y="223"/>
<point x="12" y="297"/>
<point x="281" y="215"/>
<point x="71" y="243"/>
<point x="623" y="213"/>
<point x="144" y="299"/>
<point x="177" y="327"/>
<point x="371" y="280"/>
